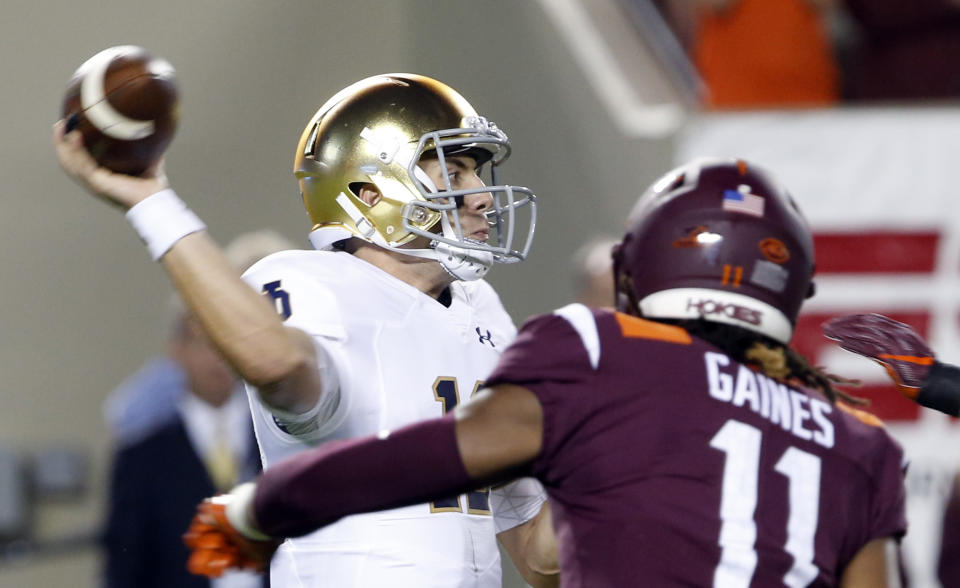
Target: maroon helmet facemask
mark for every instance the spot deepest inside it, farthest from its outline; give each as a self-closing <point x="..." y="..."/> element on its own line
<point x="717" y="240"/>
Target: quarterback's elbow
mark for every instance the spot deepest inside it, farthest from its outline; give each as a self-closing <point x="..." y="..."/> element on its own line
<point x="266" y="372"/>
<point x="290" y="386"/>
<point x="286" y="373"/>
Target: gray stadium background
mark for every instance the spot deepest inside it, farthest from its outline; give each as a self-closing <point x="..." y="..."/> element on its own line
<point x="83" y="305"/>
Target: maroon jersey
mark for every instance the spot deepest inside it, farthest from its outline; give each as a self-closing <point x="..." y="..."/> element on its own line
<point x="670" y="464"/>
<point x="948" y="569"/>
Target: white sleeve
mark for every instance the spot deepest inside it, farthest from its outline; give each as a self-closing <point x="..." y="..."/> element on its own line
<point x="309" y="305"/>
<point x="326" y="415"/>
<point x="516" y="503"/>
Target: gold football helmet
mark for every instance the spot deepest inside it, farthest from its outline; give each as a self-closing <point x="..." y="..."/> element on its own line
<point x="375" y="131"/>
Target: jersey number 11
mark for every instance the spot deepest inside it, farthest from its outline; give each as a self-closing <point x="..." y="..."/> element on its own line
<point x="738" y="531"/>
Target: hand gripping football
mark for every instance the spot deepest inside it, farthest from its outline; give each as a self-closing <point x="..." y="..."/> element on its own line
<point x="124" y="101"/>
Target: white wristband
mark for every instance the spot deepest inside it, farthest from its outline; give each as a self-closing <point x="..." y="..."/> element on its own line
<point x="161" y="220"/>
<point x="239" y="502"/>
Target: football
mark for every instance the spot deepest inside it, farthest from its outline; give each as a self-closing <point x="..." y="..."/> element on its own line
<point x="125" y="102"/>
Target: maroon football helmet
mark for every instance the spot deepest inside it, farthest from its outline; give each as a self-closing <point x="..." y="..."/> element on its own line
<point x="718" y="240"/>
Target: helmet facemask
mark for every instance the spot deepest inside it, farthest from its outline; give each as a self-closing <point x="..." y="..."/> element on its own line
<point x="483" y="141"/>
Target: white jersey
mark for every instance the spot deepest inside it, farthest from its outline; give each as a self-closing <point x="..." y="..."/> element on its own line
<point x="390" y="355"/>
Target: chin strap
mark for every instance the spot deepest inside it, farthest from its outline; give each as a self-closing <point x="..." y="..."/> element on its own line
<point x="460" y="262"/>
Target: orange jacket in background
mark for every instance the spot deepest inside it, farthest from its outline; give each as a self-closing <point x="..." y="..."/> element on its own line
<point x="766" y="53"/>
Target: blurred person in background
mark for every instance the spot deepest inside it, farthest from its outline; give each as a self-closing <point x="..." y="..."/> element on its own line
<point x="182" y="429"/>
<point x="205" y="446"/>
<point x="681" y="439"/>
<point x="903" y="50"/>
<point x="149" y="397"/>
<point x="948" y="563"/>
<point x="759" y="53"/>
<point x="593" y="272"/>
<point x="388" y="322"/>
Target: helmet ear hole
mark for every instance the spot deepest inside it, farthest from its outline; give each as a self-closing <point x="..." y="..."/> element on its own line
<point x="366" y="192"/>
<point x="355" y="187"/>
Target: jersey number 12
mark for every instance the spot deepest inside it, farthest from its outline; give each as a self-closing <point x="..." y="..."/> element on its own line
<point x="447" y="393"/>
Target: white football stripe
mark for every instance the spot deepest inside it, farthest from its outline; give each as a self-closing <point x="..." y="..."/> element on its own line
<point x="581" y="319"/>
<point x="98" y="109"/>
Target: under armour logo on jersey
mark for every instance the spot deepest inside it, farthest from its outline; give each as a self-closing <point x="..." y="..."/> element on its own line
<point x="488" y="338"/>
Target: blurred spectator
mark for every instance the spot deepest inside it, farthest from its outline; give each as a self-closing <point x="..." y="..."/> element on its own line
<point x="904" y="50"/>
<point x="148" y="398"/>
<point x="760" y="53"/>
<point x="948" y="569"/>
<point x="144" y="401"/>
<point x="183" y="432"/>
<point x="593" y="272"/>
<point x="158" y="479"/>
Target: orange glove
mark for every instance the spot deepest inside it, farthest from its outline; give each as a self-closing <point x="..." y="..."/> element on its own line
<point x="215" y="542"/>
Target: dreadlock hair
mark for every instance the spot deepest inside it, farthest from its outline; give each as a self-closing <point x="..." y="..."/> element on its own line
<point x="774" y="359"/>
